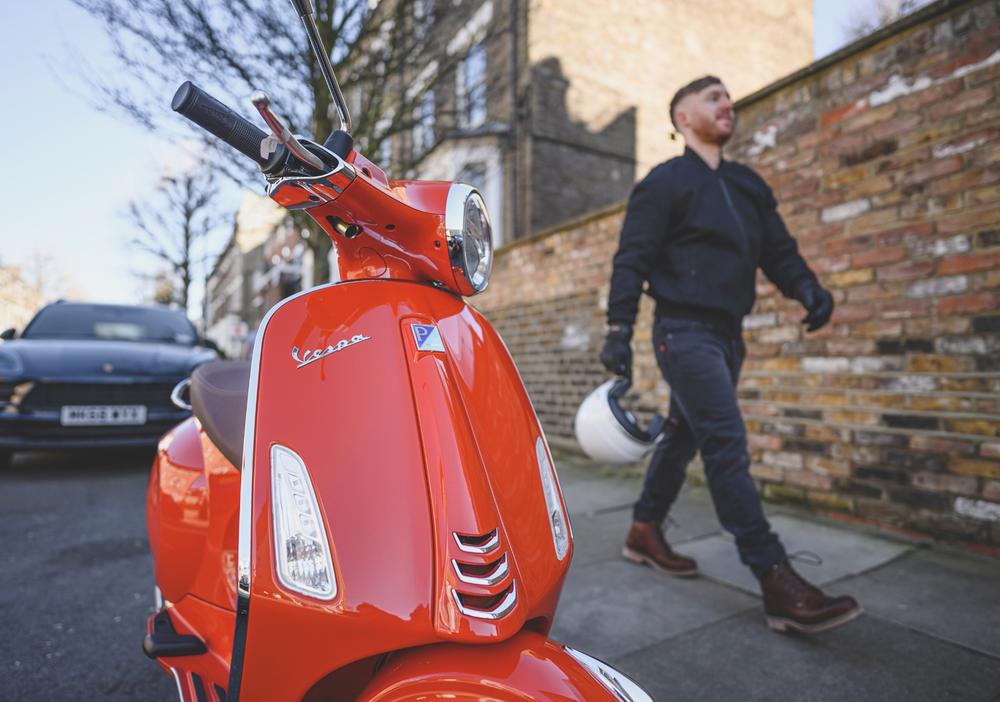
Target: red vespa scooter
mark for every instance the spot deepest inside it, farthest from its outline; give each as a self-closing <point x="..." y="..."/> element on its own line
<point x="368" y="510"/>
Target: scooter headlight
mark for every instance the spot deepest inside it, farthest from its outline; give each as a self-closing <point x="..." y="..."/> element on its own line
<point x="470" y="237"/>
<point x="557" y="517"/>
<point x="300" y="544"/>
<point x="620" y="685"/>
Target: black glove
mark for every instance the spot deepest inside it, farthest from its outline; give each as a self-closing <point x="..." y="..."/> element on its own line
<point x="617" y="352"/>
<point x="818" y="303"/>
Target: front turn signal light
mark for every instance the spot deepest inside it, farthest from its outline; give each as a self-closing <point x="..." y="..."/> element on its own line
<point x="300" y="543"/>
<point x="557" y="517"/>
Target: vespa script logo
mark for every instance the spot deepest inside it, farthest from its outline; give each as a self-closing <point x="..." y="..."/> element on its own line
<point x="310" y="355"/>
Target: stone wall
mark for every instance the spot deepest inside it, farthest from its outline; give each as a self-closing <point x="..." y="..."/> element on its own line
<point x="886" y="161"/>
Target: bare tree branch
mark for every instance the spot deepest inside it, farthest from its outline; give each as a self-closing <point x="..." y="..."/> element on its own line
<point x="170" y="231"/>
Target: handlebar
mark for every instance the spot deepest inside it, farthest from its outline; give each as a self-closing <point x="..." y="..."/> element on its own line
<point x="210" y="114"/>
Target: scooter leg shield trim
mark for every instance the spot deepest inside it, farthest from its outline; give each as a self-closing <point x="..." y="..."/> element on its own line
<point x="246" y="505"/>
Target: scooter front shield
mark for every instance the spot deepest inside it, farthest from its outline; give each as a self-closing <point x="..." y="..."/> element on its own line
<point x="329" y="383"/>
<point x="423" y="454"/>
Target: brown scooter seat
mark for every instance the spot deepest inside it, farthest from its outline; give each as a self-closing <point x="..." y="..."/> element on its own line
<point x="219" y="401"/>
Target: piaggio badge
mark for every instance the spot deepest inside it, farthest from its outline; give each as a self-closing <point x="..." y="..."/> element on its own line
<point x="427" y="337"/>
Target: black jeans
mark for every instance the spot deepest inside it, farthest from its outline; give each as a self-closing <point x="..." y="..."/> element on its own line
<point x="702" y="367"/>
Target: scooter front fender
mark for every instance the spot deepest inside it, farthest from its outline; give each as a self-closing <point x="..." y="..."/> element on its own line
<point x="526" y="668"/>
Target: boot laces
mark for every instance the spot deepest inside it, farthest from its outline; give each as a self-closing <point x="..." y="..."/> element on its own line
<point x="795" y="582"/>
<point x="806" y="557"/>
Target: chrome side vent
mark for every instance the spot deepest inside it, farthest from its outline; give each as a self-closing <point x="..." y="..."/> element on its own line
<point x="491" y="607"/>
<point x="486" y="575"/>
<point x="478" y="543"/>
<point x="483" y="582"/>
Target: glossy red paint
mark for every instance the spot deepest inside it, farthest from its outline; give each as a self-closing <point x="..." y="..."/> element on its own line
<point x="192" y="505"/>
<point x="391" y="502"/>
<point x="192" y="518"/>
<point x="408" y="447"/>
<point x="402" y="223"/>
<point x="525" y="668"/>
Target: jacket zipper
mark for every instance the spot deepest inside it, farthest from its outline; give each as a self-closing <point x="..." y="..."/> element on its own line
<point x="732" y="208"/>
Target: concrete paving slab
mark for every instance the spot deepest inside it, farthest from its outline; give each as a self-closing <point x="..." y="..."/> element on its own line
<point x="740" y="660"/>
<point x="573" y="470"/>
<point x="599" y="537"/>
<point x="843" y="552"/>
<point x="954" y="597"/>
<point x="588" y="496"/>
<point x="610" y="609"/>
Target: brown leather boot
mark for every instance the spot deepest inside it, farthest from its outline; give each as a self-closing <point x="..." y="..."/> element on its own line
<point x="645" y="544"/>
<point x="791" y="603"/>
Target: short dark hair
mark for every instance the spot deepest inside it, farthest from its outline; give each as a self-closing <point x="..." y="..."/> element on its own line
<point x="695" y="86"/>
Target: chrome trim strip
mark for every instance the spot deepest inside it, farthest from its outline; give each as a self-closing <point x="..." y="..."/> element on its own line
<point x="177" y="679"/>
<point x="624" y="688"/>
<point x="246" y="503"/>
<point x="492" y="579"/>
<point x="501" y="610"/>
<point x="249" y="428"/>
<point x="175" y="394"/>
<point x="489" y="547"/>
<point x="342" y="167"/>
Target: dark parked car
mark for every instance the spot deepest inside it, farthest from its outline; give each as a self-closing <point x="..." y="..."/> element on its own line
<point x="84" y="375"/>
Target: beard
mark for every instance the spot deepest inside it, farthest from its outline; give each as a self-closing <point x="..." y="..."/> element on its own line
<point x="709" y="131"/>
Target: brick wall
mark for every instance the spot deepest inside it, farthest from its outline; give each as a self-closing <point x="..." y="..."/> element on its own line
<point x="886" y="161"/>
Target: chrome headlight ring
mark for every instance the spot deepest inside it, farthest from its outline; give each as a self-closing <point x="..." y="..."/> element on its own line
<point x="470" y="238"/>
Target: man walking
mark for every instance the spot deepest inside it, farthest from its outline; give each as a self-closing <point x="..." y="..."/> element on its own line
<point x="696" y="230"/>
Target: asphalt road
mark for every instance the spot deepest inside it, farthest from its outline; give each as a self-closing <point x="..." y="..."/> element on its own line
<point x="76" y="582"/>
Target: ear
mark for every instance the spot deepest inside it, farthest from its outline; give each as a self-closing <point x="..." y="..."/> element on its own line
<point x="681" y="119"/>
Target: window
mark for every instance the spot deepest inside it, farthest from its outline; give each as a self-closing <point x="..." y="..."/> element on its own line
<point x="473" y="174"/>
<point x="423" y="129"/>
<point x="383" y="155"/>
<point x="472" y="87"/>
<point x="110" y="322"/>
<point x="423" y="17"/>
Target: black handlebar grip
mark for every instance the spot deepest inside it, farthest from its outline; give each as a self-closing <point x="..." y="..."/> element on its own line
<point x="210" y="114"/>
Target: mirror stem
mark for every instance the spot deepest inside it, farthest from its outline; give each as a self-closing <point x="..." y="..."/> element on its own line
<point x="304" y="10"/>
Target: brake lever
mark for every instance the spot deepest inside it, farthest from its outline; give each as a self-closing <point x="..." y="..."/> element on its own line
<point x="281" y="134"/>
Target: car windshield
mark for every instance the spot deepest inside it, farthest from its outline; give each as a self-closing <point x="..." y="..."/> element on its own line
<point x="112" y="323"/>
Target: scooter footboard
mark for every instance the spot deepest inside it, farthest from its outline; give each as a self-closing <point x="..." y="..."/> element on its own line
<point x="525" y="668"/>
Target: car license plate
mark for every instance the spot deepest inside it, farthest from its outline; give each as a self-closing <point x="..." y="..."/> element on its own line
<point x="77" y="415"/>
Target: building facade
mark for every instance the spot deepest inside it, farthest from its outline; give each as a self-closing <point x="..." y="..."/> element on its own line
<point x="554" y="108"/>
<point x="264" y="261"/>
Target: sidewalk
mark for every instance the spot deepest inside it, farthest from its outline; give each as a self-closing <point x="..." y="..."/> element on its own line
<point x="931" y="628"/>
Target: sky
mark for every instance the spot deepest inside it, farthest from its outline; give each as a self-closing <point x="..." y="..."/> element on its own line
<point x="71" y="169"/>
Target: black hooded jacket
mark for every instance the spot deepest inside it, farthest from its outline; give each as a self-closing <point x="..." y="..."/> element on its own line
<point x="697" y="236"/>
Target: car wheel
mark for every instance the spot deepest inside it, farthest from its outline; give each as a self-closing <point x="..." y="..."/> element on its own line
<point x="6" y="455"/>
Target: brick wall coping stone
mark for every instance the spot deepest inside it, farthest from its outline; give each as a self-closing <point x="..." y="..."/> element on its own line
<point x="889" y="31"/>
<point x="576" y="223"/>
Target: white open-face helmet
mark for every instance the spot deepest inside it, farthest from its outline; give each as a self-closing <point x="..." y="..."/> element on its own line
<point x="609" y="433"/>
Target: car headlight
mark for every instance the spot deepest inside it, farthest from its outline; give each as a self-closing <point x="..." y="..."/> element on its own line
<point x="470" y="238"/>
<point x="10" y="364"/>
<point x="620" y="685"/>
<point x="301" y="548"/>
<point x="557" y="517"/>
